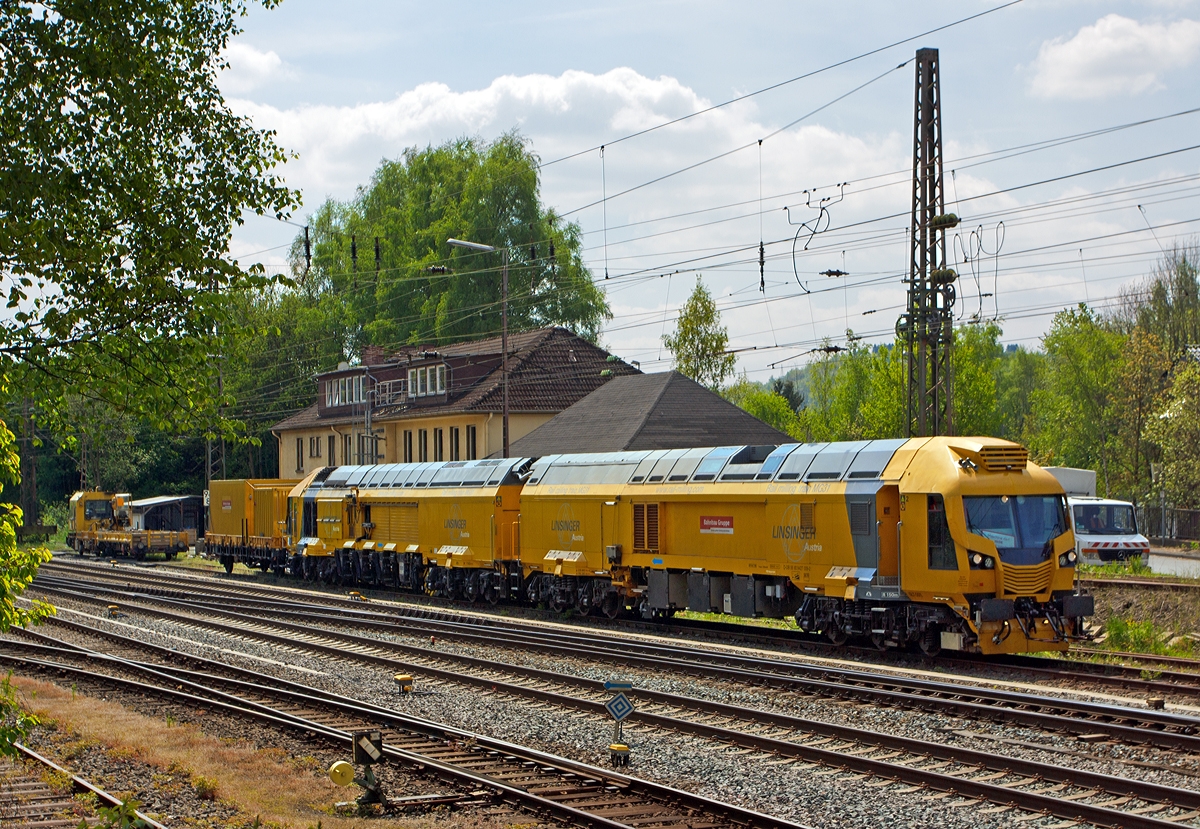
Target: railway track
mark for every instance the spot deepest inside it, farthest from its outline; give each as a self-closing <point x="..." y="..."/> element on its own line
<point x="28" y="801"/>
<point x="1003" y="782"/>
<point x="534" y="782"/>
<point x="1072" y="672"/>
<point x="281" y="625"/>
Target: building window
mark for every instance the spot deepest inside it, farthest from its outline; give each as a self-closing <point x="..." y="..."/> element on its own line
<point x="328" y="393"/>
<point x="358" y="389"/>
<point x="408" y="453"/>
<point x="441" y="379"/>
<point x="314" y="447"/>
<point x="299" y="454"/>
<point x="412" y="382"/>
<point x="471" y="453"/>
<point x="438" y="435"/>
<point x="454" y="455"/>
<point x="347" y="456"/>
<point x="332" y="447"/>
<point x="423" y="444"/>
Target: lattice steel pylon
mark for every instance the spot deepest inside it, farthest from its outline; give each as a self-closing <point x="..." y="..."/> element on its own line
<point x="927" y="326"/>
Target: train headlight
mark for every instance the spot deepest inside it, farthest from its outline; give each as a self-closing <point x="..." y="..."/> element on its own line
<point x="977" y="559"/>
<point x="1067" y="559"/>
<point x="988" y="563"/>
<point x="1071" y="557"/>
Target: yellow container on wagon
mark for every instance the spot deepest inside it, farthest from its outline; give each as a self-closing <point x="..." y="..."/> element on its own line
<point x="247" y="522"/>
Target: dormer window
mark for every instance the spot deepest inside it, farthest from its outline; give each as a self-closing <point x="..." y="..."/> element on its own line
<point x="427" y="380"/>
<point x="342" y="391"/>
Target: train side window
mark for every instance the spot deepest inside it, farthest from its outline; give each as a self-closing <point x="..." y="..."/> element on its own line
<point x="942" y="555"/>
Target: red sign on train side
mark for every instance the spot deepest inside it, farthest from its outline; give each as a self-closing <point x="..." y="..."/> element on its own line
<point x="716" y="524"/>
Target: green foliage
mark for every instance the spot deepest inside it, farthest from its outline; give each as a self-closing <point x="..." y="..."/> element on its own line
<point x="768" y="406"/>
<point x="15" y="722"/>
<point x="1139" y="637"/>
<point x="1169" y="305"/>
<point x="1016" y="380"/>
<point x="206" y="787"/>
<point x="122" y="816"/>
<point x="123" y="174"/>
<point x="1073" y="414"/>
<point x="699" y="341"/>
<point x="1176" y="431"/>
<point x="975" y="362"/>
<point x="464" y="189"/>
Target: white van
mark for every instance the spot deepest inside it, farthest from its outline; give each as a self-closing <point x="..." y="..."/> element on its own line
<point x="1105" y="529"/>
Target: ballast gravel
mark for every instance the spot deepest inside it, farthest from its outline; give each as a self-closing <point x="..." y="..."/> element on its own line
<point x="812" y="796"/>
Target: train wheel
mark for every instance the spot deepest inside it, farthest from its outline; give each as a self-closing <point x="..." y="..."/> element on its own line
<point x="836" y="635"/>
<point x="931" y="642"/>
<point x="583" y="602"/>
<point x="879" y="640"/>
<point x="611" y="606"/>
<point x="471" y="588"/>
<point x="491" y="591"/>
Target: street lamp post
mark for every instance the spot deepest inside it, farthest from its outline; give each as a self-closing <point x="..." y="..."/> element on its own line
<point x="475" y="246"/>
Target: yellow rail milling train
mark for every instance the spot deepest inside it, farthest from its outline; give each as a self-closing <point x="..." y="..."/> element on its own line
<point x="947" y="542"/>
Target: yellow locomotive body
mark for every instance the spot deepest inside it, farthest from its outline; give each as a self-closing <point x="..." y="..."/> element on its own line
<point x="944" y="542"/>
<point x="447" y="529"/>
<point x="247" y="523"/>
<point x="99" y="523"/>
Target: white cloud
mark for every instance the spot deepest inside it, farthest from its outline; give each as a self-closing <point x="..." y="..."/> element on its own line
<point x="715" y="225"/>
<point x="249" y="69"/>
<point x="1114" y="56"/>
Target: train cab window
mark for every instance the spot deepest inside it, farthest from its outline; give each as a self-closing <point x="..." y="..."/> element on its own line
<point x="942" y="555"/>
<point x="97" y="510"/>
<point x="1023" y="527"/>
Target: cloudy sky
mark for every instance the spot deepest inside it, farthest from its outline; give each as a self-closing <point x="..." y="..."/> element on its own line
<point x="1058" y="207"/>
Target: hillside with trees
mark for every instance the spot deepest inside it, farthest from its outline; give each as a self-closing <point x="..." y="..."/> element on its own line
<point x="1117" y="392"/>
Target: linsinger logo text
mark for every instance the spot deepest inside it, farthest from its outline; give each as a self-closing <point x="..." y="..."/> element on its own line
<point x="564" y="526"/>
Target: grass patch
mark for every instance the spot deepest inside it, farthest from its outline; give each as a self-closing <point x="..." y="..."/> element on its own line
<point x="786" y="623"/>
<point x="207" y="565"/>
<point x="1129" y="636"/>
<point x="1118" y="569"/>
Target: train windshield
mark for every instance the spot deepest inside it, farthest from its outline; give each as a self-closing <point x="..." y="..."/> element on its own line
<point x="1105" y="519"/>
<point x="97" y="510"/>
<point x="1023" y="527"/>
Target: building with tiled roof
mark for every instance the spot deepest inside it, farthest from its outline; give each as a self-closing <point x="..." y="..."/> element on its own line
<point x="647" y="411"/>
<point x="433" y="403"/>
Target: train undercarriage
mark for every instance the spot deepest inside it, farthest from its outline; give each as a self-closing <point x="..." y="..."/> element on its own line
<point x="934" y="627"/>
